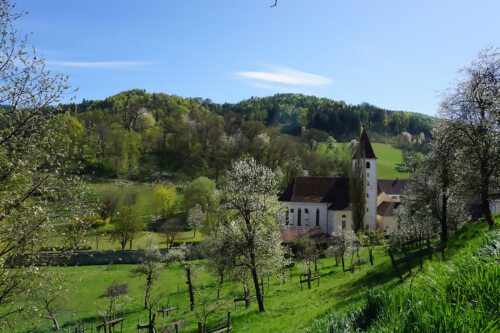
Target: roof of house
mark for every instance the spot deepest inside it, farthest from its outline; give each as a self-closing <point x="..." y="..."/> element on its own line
<point x="392" y="186"/>
<point x="387" y="208"/>
<point x="291" y="234"/>
<point x="364" y="148"/>
<point x="318" y="189"/>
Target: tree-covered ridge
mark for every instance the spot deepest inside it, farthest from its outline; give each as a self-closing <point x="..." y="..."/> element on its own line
<point x="135" y="133"/>
<point x="339" y="119"/>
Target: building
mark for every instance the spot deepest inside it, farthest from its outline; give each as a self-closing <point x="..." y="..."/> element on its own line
<point x="325" y="202"/>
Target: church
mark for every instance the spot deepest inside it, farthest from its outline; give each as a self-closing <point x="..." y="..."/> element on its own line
<point x="323" y="205"/>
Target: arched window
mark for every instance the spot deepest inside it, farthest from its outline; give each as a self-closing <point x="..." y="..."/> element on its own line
<point x="287" y="218"/>
<point x="306" y="216"/>
<point x="368" y="165"/>
<point x="343" y="222"/>
<point x="317" y="217"/>
<point x="299" y="217"/>
<point x="367" y="195"/>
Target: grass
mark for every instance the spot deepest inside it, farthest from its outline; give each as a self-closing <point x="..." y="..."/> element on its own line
<point x="457" y="295"/>
<point x="388" y="159"/>
<point x="288" y="309"/>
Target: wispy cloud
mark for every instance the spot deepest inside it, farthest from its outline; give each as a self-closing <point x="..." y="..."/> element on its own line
<point x="285" y="76"/>
<point x="98" y="64"/>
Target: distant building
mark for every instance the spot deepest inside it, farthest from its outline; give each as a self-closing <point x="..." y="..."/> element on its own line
<point x="324" y="202"/>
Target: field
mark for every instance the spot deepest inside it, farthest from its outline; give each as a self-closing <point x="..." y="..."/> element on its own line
<point x="388" y="158"/>
<point x="288" y="309"/>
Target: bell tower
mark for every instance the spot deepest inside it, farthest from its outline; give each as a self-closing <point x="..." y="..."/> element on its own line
<point x="365" y="155"/>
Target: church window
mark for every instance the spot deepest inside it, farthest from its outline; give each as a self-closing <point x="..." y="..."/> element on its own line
<point x="287" y="218"/>
<point x="366" y="209"/>
<point x="306" y="212"/>
<point x="367" y="174"/>
<point x="368" y="165"/>
<point x="343" y="222"/>
<point x="367" y="195"/>
<point x="317" y="217"/>
<point x="299" y="217"/>
<point x="367" y="183"/>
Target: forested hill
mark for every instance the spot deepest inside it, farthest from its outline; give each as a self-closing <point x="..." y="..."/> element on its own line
<point x="289" y="112"/>
<point x="142" y="135"/>
<point x="341" y="120"/>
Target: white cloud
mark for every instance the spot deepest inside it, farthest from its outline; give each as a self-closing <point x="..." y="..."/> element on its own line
<point x="286" y="76"/>
<point x="98" y="64"/>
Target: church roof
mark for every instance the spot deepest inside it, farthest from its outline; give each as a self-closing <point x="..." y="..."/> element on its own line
<point x="318" y="189"/>
<point x="364" y="148"/>
<point x="392" y="186"/>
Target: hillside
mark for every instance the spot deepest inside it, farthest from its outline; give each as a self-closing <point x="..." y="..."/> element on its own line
<point x="138" y="135"/>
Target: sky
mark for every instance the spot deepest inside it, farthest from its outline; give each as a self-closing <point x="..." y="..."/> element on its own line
<point x="399" y="55"/>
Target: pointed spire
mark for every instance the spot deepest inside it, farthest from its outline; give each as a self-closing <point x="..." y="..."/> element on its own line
<point x="364" y="148"/>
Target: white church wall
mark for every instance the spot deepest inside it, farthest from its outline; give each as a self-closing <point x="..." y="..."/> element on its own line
<point x="308" y="219"/>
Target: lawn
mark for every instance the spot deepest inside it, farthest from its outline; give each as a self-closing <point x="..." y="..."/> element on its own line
<point x="288" y="308"/>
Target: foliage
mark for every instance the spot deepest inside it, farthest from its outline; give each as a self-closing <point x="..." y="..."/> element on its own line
<point x="249" y="223"/>
<point x="201" y="192"/>
<point x="164" y="197"/>
<point x="129" y="224"/>
<point x="195" y="217"/>
<point x="113" y="293"/>
<point x="472" y="113"/>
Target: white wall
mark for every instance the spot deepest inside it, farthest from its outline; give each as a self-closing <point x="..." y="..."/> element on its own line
<point x="308" y="220"/>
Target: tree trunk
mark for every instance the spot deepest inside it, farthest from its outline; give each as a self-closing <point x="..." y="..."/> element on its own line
<point x="190" y="286"/>
<point x="130" y="244"/>
<point x="370" y="252"/>
<point x="444" y="223"/>
<point x="485" y="191"/>
<point x="258" y="293"/>
<point x="148" y="291"/>
<point x="123" y="243"/>
<point x="343" y="265"/>
<point x="55" y="323"/>
<point x="246" y="294"/>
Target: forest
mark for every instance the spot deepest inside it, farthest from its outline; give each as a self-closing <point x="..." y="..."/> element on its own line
<point x="136" y="135"/>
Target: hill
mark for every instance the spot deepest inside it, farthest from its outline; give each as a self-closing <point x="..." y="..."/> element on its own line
<point x="138" y="135"/>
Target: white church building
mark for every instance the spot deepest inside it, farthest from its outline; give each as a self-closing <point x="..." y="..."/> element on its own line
<point x="324" y="203"/>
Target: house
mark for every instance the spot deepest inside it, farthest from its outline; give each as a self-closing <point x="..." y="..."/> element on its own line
<point x="324" y="202"/>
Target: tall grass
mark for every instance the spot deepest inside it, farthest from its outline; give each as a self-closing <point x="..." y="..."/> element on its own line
<point x="460" y="295"/>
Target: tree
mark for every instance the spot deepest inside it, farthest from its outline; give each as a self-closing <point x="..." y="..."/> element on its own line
<point x="75" y="233"/>
<point x="200" y="191"/>
<point x="113" y="293"/>
<point x="357" y="193"/>
<point x="180" y="255"/>
<point x="164" y="197"/>
<point x="50" y="294"/>
<point x="110" y="202"/>
<point x="150" y="267"/>
<point x="249" y="220"/>
<point x="170" y="228"/>
<point x="33" y="158"/>
<point x="129" y="224"/>
<point x="195" y="217"/>
<point x="370" y="240"/>
<point x="472" y="111"/>
<point x="343" y="242"/>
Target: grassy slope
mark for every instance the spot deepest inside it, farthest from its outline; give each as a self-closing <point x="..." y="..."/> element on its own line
<point x="457" y="295"/>
<point x="388" y="157"/>
<point x="288" y="308"/>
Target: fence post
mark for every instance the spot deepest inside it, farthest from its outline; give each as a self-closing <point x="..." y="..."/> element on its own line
<point x="228" y="319"/>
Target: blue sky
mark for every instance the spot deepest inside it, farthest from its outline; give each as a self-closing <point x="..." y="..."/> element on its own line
<point x="399" y="55"/>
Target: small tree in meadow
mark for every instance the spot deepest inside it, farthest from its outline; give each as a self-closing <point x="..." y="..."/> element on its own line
<point x="342" y="243"/>
<point x="150" y="267"/>
<point x="180" y="255"/>
<point x="195" y="218"/>
<point x="370" y="240"/>
<point x="113" y="293"/>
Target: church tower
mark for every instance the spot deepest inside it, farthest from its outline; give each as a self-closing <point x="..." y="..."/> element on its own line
<point x="365" y="155"/>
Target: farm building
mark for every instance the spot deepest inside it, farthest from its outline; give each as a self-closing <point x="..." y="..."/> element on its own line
<point x="325" y="202"/>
